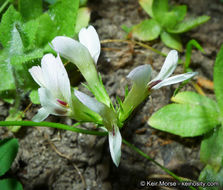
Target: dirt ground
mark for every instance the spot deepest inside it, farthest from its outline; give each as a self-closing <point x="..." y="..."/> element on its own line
<point x="50" y="159"/>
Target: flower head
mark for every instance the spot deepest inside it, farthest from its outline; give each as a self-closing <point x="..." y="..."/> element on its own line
<point x="54" y="91"/>
<point x="163" y="79"/>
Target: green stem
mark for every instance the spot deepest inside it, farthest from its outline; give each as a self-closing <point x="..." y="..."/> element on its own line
<point x="150" y="159"/>
<point x="52" y="125"/>
<point x="4" y="5"/>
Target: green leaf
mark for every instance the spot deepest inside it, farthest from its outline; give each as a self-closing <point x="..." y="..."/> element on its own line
<point x="159" y="7"/>
<point x="10" y="184"/>
<point x="30" y="9"/>
<point x="30" y="29"/>
<point x="208" y="174"/>
<point x="83" y="18"/>
<point x="180" y="12"/>
<point x="147" y="6"/>
<point x="34" y="97"/>
<point x="64" y="14"/>
<point x="6" y="73"/>
<point x="9" y="18"/>
<point x="218" y="80"/>
<point x="16" y="44"/>
<point x="46" y="30"/>
<point x="188" y="24"/>
<point x="185" y="120"/>
<point x="211" y="151"/>
<point x="147" y="30"/>
<point x="193" y="98"/>
<point x="8" y="151"/>
<point x="171" y="40"/>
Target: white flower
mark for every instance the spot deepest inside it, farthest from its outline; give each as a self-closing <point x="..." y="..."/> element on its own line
<point x="167" y="69"/>
<point x="109" y="121"/>
<point x="84" y="54"/>
<point x="89" y="38"/>
<point x="77" y="52"/>
<point x="140" y="76"/>
<point x="54" y="91"/>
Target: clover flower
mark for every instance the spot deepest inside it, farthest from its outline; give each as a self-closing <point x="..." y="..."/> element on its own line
<point x="84" y="54"/>
<point x="163" y="79"/>
<point x="54" y="91"/>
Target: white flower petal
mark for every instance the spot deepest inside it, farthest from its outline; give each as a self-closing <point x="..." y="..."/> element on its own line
<point x="174" y="80"/>
<point x="168" y="67"/>
<point x="63" y="80"/>
<point x="115" y="143"/>
<point x="89" y="38"/>
<point x="41" y="115"/>
<point x="72" y="50"/>
<point x="140" y="75"/>
<point x="49" y="69"/>
<point x="90" y="102"/>
<point x="49" y="103"/>
<point x="37" y="75"/>
<point x="56" y="78"/>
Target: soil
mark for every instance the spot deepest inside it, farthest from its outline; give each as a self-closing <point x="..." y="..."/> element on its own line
<point x="51" y="159"/>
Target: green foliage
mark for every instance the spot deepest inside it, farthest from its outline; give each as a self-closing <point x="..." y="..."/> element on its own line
<point x="25" y="33"/>
<point x="212" y="148"/>
<point x="14" y="115"/>
<point x="171" y="40"/>
<point x="194" y="115"/>
<point x="190" y="44"/>
<point x="63" y="14"/>
<point x="198" y="115"/>
<point x="27" y="12"/>
<point x="10" y="184"/>
<point x="8" y="151"/>
<point x="208" y="174"/>
<point x="165" y="21"/>
<point x="34" y="97"/>
<point x="147" y="30"/>
<point x="218" y="80"/>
